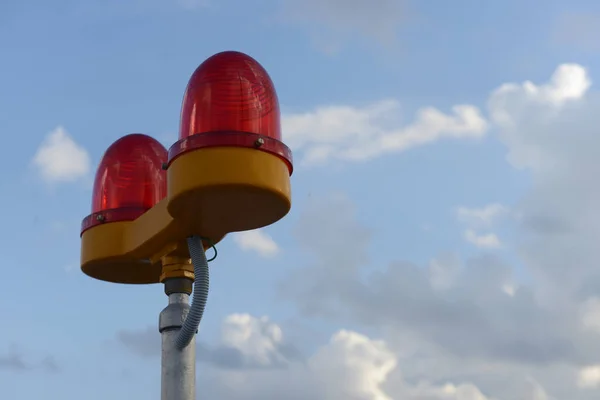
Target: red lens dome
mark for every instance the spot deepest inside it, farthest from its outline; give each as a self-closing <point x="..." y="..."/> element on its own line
<point x="230" y="91"/>
<point x="129" y="181"/>
<point x="230" y="100"/>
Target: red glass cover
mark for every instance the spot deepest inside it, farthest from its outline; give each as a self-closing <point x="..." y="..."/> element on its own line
<point x="230" y="91"/>
<point x="129" y="181"/>
<point x="230" y="100"/>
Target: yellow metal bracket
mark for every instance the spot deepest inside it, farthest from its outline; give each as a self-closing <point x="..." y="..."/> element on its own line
<point x="210" y="192"/>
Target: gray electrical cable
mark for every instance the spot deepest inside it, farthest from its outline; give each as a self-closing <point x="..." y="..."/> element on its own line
<point x="200" y="294"/>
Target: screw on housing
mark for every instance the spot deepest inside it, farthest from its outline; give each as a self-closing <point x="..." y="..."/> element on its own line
<point x="259" y="142"/>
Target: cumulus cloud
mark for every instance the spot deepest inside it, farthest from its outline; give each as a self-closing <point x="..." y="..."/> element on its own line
<point x="258" y="241"/>
<point x="461" y="306"/>
<point x="486" y="240"/>
<point x="590" y="313"/>
<point x="355" y="366"/>
<point x="448" y="391"/>
<point x="552" y="132"/>
<point x="483" y="216"/>
<point x="478" y="311"/>
<point x="474" y="313"/>
<point x="361" y="133"/>
<point x="350" y="365"/>
<point x="60" y="159"/>
<point x="528" y="115"/>
<point x="589" y="377"/>
<point x="246" y="342"/>
<point x="257" y="339"/>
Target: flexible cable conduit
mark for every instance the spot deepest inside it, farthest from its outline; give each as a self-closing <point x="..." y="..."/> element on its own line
<point x="200" y="294"/>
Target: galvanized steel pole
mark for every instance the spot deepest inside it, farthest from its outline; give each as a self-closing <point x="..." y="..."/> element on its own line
<point x="178" y="370"/>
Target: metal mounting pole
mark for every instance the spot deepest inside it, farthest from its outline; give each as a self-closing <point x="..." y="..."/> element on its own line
<point x="178" y="367"/>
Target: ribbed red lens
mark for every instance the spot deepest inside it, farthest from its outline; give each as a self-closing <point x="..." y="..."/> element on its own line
<point x="230" y="91"/>
<point x="230" y="101"/>
<point x="129" y="180"/>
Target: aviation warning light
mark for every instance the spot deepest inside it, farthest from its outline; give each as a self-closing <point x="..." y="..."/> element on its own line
<point x="155" y="212"/>
<point x="229" y="171"/>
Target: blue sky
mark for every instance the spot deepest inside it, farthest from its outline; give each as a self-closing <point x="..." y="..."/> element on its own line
<point x="450" y="212"/>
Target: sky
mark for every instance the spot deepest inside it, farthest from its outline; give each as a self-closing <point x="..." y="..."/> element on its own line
<point x="442" y="243"/>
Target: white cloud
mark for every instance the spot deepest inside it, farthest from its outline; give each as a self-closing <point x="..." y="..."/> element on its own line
<point x="448" y="391"/>
<point x="60" y="159"/>
<point x="524" y="113"/>
<point x="361" y="133"/>
<point x="443" y="273"/>
<point x="256" y="338"/>
<point x="590" y="313"/>
<point x="548" y="327"/>
<point x="446" y="321"/>
<point x="354" y="365"/>
<point x="589" y="377"/>
<point x="491" y="323"/>
<point x="483" y="216"/>
<point x="486" y="240"/>
<point x="349" y="366"/>
<point x="535" y="391"/>
<point x="568" y="82"/>
<point x="257" y="241"/>
<point x="552" y="132"/>
<point x="509" y="289"/>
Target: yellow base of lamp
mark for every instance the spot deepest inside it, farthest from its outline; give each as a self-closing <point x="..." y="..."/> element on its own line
<point x="211" y="192"/>
<point x="104" y="257"/>
<point x="219" y="190"/>
<point x="131" y="251"/>
<point x="136" y="272"/>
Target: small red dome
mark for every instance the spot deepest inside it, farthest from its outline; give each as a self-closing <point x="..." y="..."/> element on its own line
<point x="129" y="180"/>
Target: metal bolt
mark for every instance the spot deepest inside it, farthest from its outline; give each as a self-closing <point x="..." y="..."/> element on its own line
<point x="259" y="142"/>
<point x="100" y="218"/>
